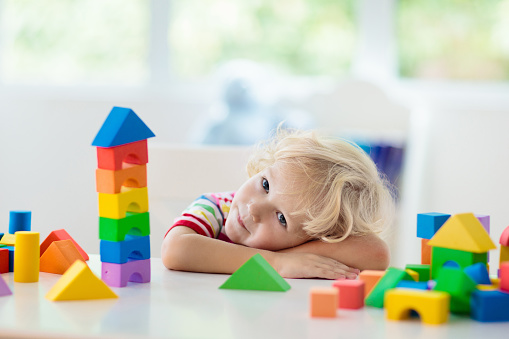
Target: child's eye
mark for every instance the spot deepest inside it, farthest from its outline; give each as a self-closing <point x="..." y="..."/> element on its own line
<point x="281" y="218"/>
<point x="265" y="185"/>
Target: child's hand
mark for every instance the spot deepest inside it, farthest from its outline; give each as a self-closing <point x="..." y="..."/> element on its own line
<point x="307" y="265"/>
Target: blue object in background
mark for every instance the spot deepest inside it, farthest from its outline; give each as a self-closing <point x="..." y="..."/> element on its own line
<point x="478" y="273"/>
<point x="429" y="223"/>
<point x="20" y="221"/>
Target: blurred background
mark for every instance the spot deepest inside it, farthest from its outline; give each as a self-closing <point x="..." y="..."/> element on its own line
<point x="422" y="85"/>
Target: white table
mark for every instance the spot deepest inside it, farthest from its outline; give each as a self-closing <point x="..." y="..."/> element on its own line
<point x="190" y="305"/>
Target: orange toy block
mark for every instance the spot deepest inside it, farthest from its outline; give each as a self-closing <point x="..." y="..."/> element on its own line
<point x="370" y="278"/>
<point x="324" y="302"/>
<point x="59" y="256"/>
<point x="108" y="181"/>
<point x="61" y="235"/>
<point x="114" y="158"/>
<point x="351" y="293"/>
<point x="425" y="252"/>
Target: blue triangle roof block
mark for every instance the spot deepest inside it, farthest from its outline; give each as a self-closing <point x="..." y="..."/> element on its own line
<point x="122" y="126"/>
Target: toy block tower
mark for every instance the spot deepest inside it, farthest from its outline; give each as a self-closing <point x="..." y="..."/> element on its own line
<point x="121" y="182"/>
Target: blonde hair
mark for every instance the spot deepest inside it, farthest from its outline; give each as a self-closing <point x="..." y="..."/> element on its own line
<point x="342" y="192"/>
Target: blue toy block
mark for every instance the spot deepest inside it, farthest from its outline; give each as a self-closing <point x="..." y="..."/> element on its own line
<point x="478" y="273"/>
<point x="122" y="126"/>
<point x="429" y="223"/>
<point x="489" y="306"/>
<point x="419" y="285"/>
<point x="119" y="252"/>
<point x="20" y="221"/>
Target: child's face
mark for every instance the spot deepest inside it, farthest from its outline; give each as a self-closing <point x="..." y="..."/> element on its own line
<point x="261" y="214"/>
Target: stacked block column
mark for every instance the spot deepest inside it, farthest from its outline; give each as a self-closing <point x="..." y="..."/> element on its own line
<point x="121" y="183"/>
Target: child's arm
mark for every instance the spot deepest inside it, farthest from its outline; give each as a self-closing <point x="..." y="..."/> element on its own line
<point x="185" y="250"/>
<point x="362" y="252"/>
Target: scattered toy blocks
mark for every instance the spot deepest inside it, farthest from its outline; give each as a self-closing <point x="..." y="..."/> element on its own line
<point x="26" y="257"/>
<point x="59" y="256"/>
<point x="432" y="306"/>
<point x="490" y="306"/>
<point x="79" y="283"/>
<point x="351" y="293"/>
<point x="111" y="182"/>
<point x="423" y="271"/>
<point x="256" y="274"/>
<point x="4" y="288"/>
<point x="61" y="235"/>
<point x="118" y="275"/>
<point x="4" y="260"/>
<point x="370" y="278"/>
<point x="119" y="252"/>
<point x="20" y="221"/>
<point x="134" y="224"/>
<point x="115" y="206"/>
<point x="429" y="223"/>
<point x="323" y="302"/>
<point x="122" y="126"/>
<point x="115" y="158"/>
<point x="389" y="281"/>
<point x="478" y="273"/>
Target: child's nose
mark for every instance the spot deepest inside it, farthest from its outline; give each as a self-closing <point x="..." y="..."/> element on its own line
<point x="255" y="211"/>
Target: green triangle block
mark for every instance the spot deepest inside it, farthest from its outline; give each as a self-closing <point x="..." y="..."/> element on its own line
<point x="256" y="274"/>
<point x="389" y="281"/>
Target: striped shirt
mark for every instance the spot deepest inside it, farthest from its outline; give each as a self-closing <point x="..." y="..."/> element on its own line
<point x="207" y="215"/>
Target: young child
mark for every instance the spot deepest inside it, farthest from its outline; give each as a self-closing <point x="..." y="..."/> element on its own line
<point x="312" y="207"/>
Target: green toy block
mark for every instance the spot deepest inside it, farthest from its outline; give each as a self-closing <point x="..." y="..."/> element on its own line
<point x="256" y="274"/>
<point x="441" y="256"/>
<point x="424" y="271"/>
<point x="459" y="285"/>
<point x="116" y="229"/>
<point x="389" y="281"/>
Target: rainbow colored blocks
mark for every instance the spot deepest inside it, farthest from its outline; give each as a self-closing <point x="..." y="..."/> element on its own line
<point x="121" y="180"/>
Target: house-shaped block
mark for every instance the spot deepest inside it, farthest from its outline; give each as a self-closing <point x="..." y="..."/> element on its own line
<point x="462" y="241"/>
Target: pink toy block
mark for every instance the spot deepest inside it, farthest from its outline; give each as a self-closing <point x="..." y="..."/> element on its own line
<point x="113" y="158"/>
<point x="61" y="235"/>
<point x="4" y="288"/>
<point x="351" y="293"/>
<point x="504" y="276"/>
<point x="4" y="260"/>
<point x="117" y="275"/>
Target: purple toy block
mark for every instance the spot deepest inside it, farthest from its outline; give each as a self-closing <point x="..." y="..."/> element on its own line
<point x="117" y="275"/>
<point x="4" y="289"/>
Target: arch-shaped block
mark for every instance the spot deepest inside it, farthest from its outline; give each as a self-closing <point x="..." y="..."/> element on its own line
<point x="117" y="229"/>
<point x="432" y="306"/>
<point x="117" y="275"/>
<point x="108" y="181"/>
<point x="115" y="206"/>
<point x="119" y="252"/>
<point x="440" y="256"/>
<point x="113" y="158"/>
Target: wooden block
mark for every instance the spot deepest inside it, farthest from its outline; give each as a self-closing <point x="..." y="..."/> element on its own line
<point x="323" y="302"/>
<point x="111" y="182"/>
<point x="370" y="278"/>
<point x="115" y="158"/>
<point x="59" y="256"/>
<point x="115" y="206"/>
<point x="61" y="235"/>
<point x="351" y="293"/>
<point x="432" y="306"/>
<point x="79" y="283"/>
<point x="26" y="257"/>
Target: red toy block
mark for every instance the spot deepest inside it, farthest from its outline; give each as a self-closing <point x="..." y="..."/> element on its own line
<point x="323" y="302"/>
<point x="61" y="235"/>
<point x="111" y="182"/>
<point x="351" y="293"/>
<point x="114" y="158"/>
<point x="504" y="276"/>
<point x="4" y="260"/>
<point x="425" y="252"/>
<point x="59" y="256"/>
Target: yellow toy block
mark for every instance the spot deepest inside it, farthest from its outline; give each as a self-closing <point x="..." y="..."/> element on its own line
<point x="79" y="283"/>
<point x="323" y="302"/>
<point x="413" y="274"/>
<point x="8" y="240"/>
<point x="115" y="206"/>
<point x="504" y="253"/>
<point x="26" y="257"/>
<point x="432" y="306"/>
<point x="463" y="232"/>
<point x="482" y="287"/>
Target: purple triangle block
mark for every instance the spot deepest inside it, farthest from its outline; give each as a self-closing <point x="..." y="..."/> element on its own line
<point x="4" y="289"/>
